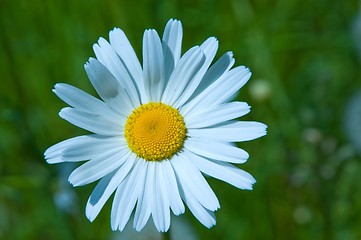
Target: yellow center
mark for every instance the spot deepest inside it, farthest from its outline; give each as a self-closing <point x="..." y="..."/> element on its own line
<point x="155" y="131"/>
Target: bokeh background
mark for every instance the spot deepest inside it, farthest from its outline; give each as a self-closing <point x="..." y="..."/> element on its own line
<point x="305" y="56"/>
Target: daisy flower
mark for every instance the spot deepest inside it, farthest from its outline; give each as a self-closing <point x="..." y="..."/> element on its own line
<point x="157" y="128"/>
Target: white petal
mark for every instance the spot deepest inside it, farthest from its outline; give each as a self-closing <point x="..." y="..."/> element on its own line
<point x="153" y="65"/>
<point x="215" y="72"/>
<point x="108" y="57"/>
<point x="172" y="45"/>
<point x="95" y="123"/>
<point x="222" y="171"/>
<point x="81" y="100"/>
<point x="234" y="132"/>
<point x="124" y="49"/>
<point x="53" y="153"/>
<point x="82" y="148"/>
<point x="108" y="88"/>
<point x="105" y="188"/>
<point x="236" y="79"/>
<point x="146" y="198"/>
<point x="160" y="209"/>
<point x="216" y="114"/>
<point x="192" y="180"/>
<point x="98" y="167"/>
<point x="205" y="216"/>
<point x="216" y="150"/>
<point x="187" y="69"/>
<point x="127" y="195"/>
<point x="79" y="152"/>
<point x="220" y="67"/>
<point x="209" y="49"/>
<point x="175" y="200"/>
<point x="220" y="91"/>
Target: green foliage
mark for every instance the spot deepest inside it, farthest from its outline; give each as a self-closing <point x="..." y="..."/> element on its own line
<point x="305" y="67"/>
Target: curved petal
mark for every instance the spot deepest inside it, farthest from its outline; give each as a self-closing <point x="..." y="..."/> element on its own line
<point x="146" y="198"/>
<point x="89" y="150"/>
<point x="216" y="150"/>
<point x="108" y="88"/>
<point x="105" y="188"/>
<point x="233" y="132"/>
<point x="216" y="71"/>
<point x="109" y="58"/>
<point x="153" y="65"/>
<point x="172" y="45"/>
<point x="192" y="180"/>
<point x="186" y="70"/>
<point x="175" y="200"/>
<point x="53" y="153"/>
<point x="222" y="171"/>
<point x="216" y="114"/>
<point x="236" y="78"/>
<point x="98" y="167"/>
<point x="205" y="216"/>
<point x="209" y="49"/>
<point x="82" y="101"/>
<point x="222" y="90"/>
<point x="122" y="46"/>
<point x="160" y="208"/>
<point x="81" y="148"/>
<point x="127" y="195"/>
<point x="95" y="123"/>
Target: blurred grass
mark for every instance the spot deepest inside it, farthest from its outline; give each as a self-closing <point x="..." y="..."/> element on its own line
<point x="305" y="67"/>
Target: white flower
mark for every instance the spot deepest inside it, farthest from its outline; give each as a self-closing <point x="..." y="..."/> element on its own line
<point x="157" y="128"/>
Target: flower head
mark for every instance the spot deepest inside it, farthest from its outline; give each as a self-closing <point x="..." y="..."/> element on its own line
<point x="157" y="128"/>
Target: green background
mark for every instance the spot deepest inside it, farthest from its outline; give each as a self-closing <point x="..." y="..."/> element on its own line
<point x="305" y="58"/>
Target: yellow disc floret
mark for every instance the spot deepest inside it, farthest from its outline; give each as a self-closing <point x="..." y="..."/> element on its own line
<point x="155" y="131"/>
